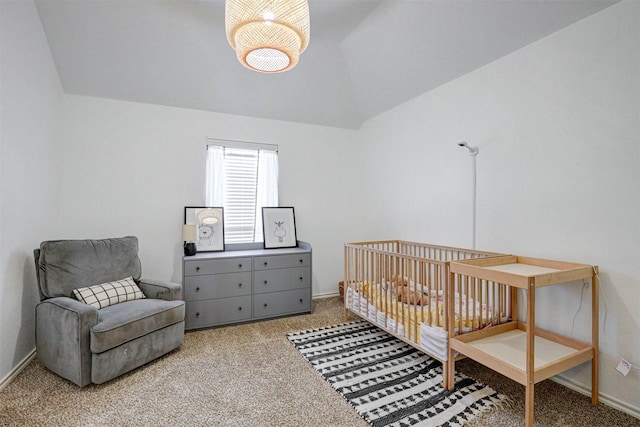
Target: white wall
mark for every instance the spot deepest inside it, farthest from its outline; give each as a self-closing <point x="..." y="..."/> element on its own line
<point x="30" y="104"/>
<point x="558" y="126"/>
<point x="131" y="168"/>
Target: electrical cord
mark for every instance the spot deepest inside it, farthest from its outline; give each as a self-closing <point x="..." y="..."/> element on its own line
<point x="604" y="303"/>
<point x="604" y="323"/>
<point x="585" y="285"/>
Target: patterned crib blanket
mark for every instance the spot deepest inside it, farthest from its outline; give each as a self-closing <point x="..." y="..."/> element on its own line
<point x="423" y="319"/>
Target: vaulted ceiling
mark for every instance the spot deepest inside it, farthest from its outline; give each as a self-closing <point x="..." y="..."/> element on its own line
<point x="365" y="56"/>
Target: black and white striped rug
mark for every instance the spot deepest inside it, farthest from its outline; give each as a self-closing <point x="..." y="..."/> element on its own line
<point x="388" y="382"/>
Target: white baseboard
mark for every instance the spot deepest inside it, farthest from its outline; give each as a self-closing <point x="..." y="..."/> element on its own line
<point x="603" y="398"/>
<point x="15" y="371"/>
<point x="328" y="295"/>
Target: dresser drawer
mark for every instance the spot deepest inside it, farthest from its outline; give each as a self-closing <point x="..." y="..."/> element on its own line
<point x="281" y="303"/>
<point x="281" y="261"/>
<point x="281" y="280"/>
<point x="215" y="266"/>
<point x="200" y="314"/>
<point x="217" y="286"/>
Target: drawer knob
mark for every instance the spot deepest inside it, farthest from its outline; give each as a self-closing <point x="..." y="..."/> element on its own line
<point x="265" y="304"/>
<point x="239" y="265"/>
<point x="239" y="308"/>
<point x="265" y="263"/>
<point x="198" y="289"/>
<point x="301" y="300"/>
<point x="239" y="285"/>
<point x="197" y="314"/>
<point x="301" y="278"/>
<point x="301" y="261"/>
<point x="197" y="268"/>
<point x="265" y="282"/>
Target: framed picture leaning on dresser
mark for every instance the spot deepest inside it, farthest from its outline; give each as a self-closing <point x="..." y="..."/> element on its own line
<point x="279" y="227"/>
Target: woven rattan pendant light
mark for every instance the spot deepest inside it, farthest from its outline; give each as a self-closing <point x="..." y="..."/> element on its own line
<point x="268" y="35"/>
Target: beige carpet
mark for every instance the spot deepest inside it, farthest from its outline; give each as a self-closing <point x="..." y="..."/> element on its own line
<point x="250" y="375"/>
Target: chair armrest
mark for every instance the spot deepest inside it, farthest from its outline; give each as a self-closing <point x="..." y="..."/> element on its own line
<point x="63" y="328"/>
<point x="160" y="289"/>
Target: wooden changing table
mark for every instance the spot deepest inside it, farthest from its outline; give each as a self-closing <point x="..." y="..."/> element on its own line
<point x="519" y="350"/>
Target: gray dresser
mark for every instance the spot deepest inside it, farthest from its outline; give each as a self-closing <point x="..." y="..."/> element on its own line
<point x="246" y="282"/>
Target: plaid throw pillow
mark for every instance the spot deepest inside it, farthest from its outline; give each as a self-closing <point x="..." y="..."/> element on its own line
<point x="106" y="294"/>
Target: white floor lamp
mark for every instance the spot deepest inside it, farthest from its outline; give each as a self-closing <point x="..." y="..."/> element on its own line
<point x="473" y="152"/>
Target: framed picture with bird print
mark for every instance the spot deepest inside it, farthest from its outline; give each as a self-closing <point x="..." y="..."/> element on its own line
<point x="279" y="227"/>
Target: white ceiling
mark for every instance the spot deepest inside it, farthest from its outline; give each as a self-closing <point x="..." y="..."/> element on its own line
<point x="365" y="56"/>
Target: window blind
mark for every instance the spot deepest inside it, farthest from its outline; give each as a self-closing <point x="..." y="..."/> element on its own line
<point x="240" y="192"/>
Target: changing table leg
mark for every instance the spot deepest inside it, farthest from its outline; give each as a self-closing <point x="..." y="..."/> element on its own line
<point x="528" y="408"/>
<point x="530" y="355"/>
<point x="595" y="310"/>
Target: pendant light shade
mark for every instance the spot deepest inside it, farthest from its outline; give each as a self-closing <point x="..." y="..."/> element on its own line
<point x="268" y="35"/>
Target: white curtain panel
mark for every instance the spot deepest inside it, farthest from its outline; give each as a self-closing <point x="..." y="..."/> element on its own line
<point x="267" y="190"/>
<point x="215" y="176"/>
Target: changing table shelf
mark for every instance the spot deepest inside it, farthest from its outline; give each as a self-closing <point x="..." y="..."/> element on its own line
<point x="504" y="349"/>
<point x="520" y="350"/>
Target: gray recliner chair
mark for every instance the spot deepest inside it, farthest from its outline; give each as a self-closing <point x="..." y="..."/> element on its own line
<point x="85" y="344"/>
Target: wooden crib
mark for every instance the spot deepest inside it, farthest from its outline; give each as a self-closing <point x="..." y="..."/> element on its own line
<point x="403" y="288"/>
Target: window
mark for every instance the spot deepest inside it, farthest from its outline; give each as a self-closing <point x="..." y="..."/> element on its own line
<point x="242" y="178"/>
